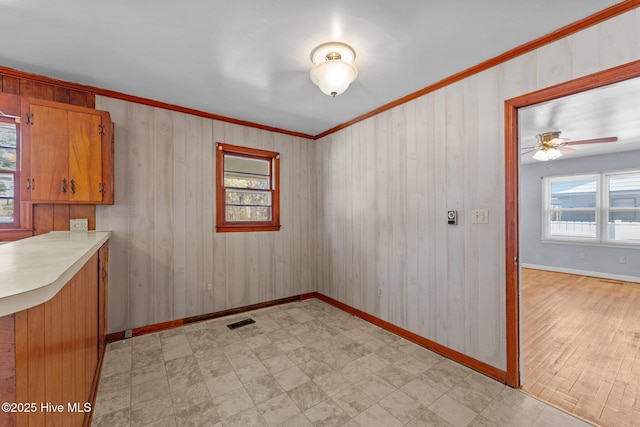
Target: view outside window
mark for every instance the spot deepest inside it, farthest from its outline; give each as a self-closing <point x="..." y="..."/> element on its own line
<point x="624" y="208"/>
<point x="8" y="172"/>
<point x="572" y="207"/>
<point x="247" y="182"/>
<point x="603" y="208"/>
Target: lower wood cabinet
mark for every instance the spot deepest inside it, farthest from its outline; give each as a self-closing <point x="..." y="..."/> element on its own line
<point x="56" y="352"/>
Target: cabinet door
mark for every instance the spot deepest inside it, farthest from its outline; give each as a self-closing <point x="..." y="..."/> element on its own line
<point x="67" y="153"/>
<point x="85" y="157"/>
<point x="49" y="153"/>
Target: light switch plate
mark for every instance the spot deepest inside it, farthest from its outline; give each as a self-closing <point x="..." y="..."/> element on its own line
<point x="480" y="216"/>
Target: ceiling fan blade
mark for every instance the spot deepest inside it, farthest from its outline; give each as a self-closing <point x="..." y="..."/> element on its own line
<point x="528" y="148"/>
<point x="565" y="150"/>
<point x="593" y="141"/>
<point x="530" y="151"/>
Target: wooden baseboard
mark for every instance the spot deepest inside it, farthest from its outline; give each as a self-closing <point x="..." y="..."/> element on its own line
<point x="117" y="336"/>
<point x="456" y="356"/>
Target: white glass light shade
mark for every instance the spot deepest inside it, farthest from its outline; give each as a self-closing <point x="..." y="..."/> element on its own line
<point x="333" y="70"/>
<point x="549" y="154"/>
<point x="333" y="77"/>
<point x="541" y="155"/>
<point x="553" y="153"/>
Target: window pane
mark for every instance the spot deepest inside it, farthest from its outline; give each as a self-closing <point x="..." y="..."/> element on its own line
<point x="246" y="166"/>
<point x="8" y="135"/>
<point x="624" y="191"/>
<point x="8" y="158"/>
<point x="246" y="181"/>
<point x="247" y="213"/>
<point x="579" y="193"/>
<point x="6" y="198"/>
<point x="6" y="185"/>
<point x="624" y="202"/>
<point x="572" y="223"/>
<point x="253" y="198"/>
<point x="624" y="226"/>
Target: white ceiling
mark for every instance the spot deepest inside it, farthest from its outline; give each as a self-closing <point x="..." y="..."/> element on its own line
<point x="249" y="59"/>
<point x="612" y="110"/>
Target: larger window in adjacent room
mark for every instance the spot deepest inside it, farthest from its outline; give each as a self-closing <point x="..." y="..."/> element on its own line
<point x="247" y="189"/>
<point x="594" y="208"/>
<point x="9" y="173"/>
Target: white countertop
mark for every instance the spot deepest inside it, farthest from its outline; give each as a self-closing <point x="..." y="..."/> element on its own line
<point x="33" y="270"/>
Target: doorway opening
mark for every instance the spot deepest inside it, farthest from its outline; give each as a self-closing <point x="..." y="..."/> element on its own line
<point x="514" y="272"/>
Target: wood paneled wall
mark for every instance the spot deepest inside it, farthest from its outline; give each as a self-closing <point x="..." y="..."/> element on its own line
<point x="384" y="186"/>
<point x="50" y="92"/>
<point x="164" y="248"/>
<point x="50" y="217"/>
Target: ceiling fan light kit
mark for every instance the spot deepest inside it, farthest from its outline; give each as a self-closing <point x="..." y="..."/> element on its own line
<point x="548" y="142"/>
<point x="333" y="70"/>
<point x="544" y="155"/>
<point x="551" y="146"/>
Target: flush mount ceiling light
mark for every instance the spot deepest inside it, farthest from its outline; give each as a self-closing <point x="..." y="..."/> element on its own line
<point x="333" y="70"/>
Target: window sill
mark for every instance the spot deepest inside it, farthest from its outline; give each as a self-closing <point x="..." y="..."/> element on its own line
<point x="579" y="242"/>
<point x="10" y="234"/>
<point x="246" y="228"/>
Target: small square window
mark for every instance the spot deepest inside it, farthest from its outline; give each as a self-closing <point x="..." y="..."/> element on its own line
<point x="247" y="189"/>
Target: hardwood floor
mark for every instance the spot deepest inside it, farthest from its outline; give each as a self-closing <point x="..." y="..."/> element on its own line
<point x="580" y="345"/>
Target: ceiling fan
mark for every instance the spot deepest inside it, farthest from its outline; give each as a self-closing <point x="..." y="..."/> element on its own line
<point x="551" y="146"/>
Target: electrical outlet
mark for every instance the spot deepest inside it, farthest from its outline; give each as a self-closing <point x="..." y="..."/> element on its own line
<point x="128" y="333"/>
<point x="79" y="224"/>
<point x="82" y="224"/>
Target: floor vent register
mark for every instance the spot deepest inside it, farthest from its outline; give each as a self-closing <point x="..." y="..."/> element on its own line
<point x="241" y="323"/>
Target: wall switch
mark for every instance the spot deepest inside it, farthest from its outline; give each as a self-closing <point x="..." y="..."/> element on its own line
<point x="379" y="292"/>
<point x="622" y="260"/>
<point x="480" y="216"/>
<point x="582" y="255"/>
<point x="210" y="287"/>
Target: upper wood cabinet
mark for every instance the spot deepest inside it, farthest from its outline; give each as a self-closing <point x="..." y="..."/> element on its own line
<point x="67" y="153"/>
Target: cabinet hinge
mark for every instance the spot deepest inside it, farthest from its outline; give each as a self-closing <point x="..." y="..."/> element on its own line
<point x="102" y="130"/>
<point x="29" y="119"/>
<point x="102" y="190"/>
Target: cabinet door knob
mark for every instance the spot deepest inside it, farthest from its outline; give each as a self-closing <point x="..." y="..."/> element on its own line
<point x="28" y="184"/>
<point x="73" y="187"/>
<point x="64" y="185"/>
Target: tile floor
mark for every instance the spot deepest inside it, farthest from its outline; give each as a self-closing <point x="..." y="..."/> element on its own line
<point x="301" y="364"/>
